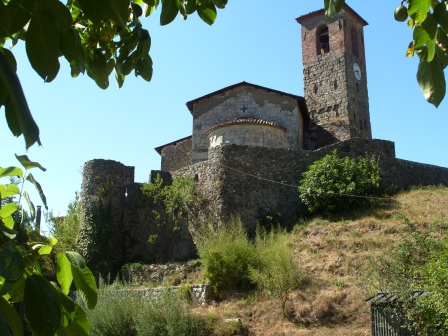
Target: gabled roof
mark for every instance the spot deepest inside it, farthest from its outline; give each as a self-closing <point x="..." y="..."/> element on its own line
<point x="160" y="148"/>
<point x="300" y="100"/>
<point x="319" y="12"/>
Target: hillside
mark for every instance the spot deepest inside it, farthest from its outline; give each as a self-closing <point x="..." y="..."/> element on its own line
<point x="336" y="255"/>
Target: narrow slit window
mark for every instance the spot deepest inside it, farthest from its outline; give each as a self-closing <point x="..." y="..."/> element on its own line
<point x="323" y="41"/>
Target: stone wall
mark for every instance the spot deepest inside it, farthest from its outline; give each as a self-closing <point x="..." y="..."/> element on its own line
<point x="176" y="155"/>
<point x="243" y="102"/>
<point x="200" y="295"/>
<point x="258" y="184"/>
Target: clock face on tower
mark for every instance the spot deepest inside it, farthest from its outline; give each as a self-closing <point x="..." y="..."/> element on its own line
<point x="357" y="71"/>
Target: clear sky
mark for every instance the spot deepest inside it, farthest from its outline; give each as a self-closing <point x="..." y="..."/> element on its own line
<point x="257" y="41"/>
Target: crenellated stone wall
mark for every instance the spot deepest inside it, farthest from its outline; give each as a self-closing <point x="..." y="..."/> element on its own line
<point x="254" y="183"/>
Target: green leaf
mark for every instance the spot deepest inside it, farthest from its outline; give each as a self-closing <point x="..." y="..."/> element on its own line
<point x="441" y="16"/>
<point x="143" y="68"/>
<point x="431" y="80"/>
<point x="8" y="221"/>
<point x="170" y="8"/>
<point x="80" y="323"/>
<point x="53" y="241"/>
<point x="144" y="43"/>
<point x="42" y="45"/>
<point x="11" y="171"/>
<point x="36" y="184"/>
<point x="117" y="10"/>
<point x="8" y="232"/>
<point x="59" y="13"/>
<point x="97" y="70"/>
<point x="333" y="7"/>
<point x="17" y="289"/>
<point x="11" y="262"/>
<point x="5" y="22"/>
<point x="27" y="163"/>
<point x="72" y="50"/>
<point x="418" y="10"/>
<point x="20" y="12"/>
<point x="46" y="249"/>
<point x="76" y="260"/>
<point x="18" y="115"/>
<point x="191" y="7"/>
<point x="7" y="190"/>
<point x="64" y="273"/>
<point x="220" y="3"/>
<point x="8" y="209"/>
<point x="119" y="77"/>
<point x="31" y="207"/>
<point x="93" y="9"/>
<point x="12" y="319"/>
<point x="207" y="12"/>
<point x="42" y="307"/>
<point x="85" y="282"/>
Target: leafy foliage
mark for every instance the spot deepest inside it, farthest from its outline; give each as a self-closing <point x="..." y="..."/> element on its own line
<point x="66" y="229"/>
<point x="47" y="308"/>
<point x="419" y="263"/>
<point x="126" y="312"/>
<point x="275" y="273"/>
<point x="334" y="183"/>
<point x="227" y="256"/>
<point x="428" y="20"/>
<point x="95" y="37"/>
<point x="174" y="204"/>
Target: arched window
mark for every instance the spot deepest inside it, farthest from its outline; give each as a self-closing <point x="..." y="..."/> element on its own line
<point x="355" y="49"/>
<point x="323" y="40"/>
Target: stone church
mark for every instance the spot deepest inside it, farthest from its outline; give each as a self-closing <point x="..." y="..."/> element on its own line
<point x="335" y="107"/>
<point x="248" y="149"/>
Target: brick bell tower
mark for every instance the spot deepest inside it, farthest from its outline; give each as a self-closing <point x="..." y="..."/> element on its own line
<point x="334" y="74"/>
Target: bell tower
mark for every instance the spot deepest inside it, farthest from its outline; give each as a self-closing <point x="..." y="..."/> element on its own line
<point x="335" y="79"/>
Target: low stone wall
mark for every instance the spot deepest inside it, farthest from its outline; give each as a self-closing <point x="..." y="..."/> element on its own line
<point x="201" y="295"/>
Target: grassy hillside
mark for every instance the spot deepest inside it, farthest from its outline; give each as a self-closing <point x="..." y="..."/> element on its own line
<point x="337" y="255"/>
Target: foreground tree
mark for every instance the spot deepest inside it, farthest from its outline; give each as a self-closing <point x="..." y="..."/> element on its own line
<point x="428" y="21"/>
<point x="95" y="37"/>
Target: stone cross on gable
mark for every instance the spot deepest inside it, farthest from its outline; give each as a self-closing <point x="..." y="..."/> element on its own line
<point x="244" y="108"/>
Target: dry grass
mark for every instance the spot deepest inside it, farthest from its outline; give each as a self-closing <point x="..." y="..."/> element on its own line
<point x="336" y="256"/>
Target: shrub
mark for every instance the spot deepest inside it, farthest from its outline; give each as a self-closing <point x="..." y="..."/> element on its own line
<point x="276" y="272"/>
<point x="335" y="183"/>
<point x="227" y="255"/>
<point x="169" y="315"/>
<point x="128" y="313"/>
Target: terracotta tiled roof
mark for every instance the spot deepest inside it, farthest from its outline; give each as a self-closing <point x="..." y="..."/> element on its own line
<point x="245" y="121"/>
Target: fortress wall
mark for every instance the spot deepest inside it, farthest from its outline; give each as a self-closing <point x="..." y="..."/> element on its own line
<point x="258" y="184"/>
<point x="403" y="174"/>
<point x="103" y="194"/>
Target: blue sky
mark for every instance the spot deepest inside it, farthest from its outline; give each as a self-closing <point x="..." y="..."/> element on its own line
<point x="257" y="41"/>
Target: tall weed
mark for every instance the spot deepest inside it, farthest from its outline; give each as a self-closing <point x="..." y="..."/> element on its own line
<point x="128" y="313"/>
<point x="276" y="273"/>
<point x="227" y="255"/>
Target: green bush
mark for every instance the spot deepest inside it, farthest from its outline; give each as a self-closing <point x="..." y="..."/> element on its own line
<point x="421" y="263"/>
<point x="334" y="183"/>
<point x="169" y="315"/>
<point x="276" y="273"/>
<point x="127" y="313"/>
<point x="227" y="255"/>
